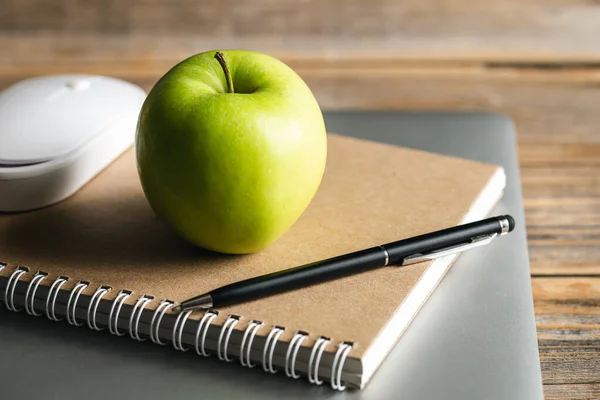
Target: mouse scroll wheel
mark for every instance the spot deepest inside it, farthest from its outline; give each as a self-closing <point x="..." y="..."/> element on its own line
<point x="79" y="84"/>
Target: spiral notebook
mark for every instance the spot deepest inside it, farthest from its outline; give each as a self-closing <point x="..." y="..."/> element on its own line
<point x="101" y="259"/>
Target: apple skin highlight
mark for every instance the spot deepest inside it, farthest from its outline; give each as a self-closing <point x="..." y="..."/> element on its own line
<point x="230" y="171"/>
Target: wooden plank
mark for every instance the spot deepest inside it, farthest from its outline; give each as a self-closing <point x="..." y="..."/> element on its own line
<point x="550" y="28"/>
<point x="562" y="181"/>
<point x="570" y="364"/>
<point x="576" y="296"/>
<point x="566" y="259"/>
<point x="568" y="322"/>
<point x="561" y="184"/>
<point x="81" y="47"/>
<point x="534" y="154"/>
<point x="572" y="392"/>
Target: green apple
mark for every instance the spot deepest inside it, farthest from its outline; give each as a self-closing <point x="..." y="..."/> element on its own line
<point x="231" y="149"/>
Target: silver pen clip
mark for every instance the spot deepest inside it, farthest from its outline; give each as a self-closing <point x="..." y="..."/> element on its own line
<point x="475" y="242"/>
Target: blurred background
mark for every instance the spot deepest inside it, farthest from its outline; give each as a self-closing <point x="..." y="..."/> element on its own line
<point x="537" y="61"/>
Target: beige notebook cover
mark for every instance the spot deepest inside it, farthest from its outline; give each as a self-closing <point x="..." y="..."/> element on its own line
<point x="339" y="331"/>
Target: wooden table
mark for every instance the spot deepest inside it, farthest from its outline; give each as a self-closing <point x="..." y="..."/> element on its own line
<point x="535" y="60"/>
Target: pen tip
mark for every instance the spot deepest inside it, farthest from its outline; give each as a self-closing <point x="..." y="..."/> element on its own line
<point x="177" y="309"/>
<point x="511" y="222"/>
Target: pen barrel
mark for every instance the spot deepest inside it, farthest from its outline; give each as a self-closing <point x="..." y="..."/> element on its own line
<point x="305" y="275"/>
<point x="457" y="235"/>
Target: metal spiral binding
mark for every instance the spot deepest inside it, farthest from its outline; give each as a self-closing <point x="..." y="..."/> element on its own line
<point x="117" y="303"/>
<point x="33" y="284"/>
<point x="2" y="266"/>
<point x="10" y="288"/>
<point x="293" y="347"/>
<point x="52" y="294"/>
<point x="250" y="332"/>
<point x="76" y="292"/>
<point x="269" y="348"/>
<point x="178" y="330"/>
<point x="317" y="350"/>
<point x="338" y="365"/>
<point x="232" y="320"/>
<point x="95" y="300"/>
<point x="138" y="308"/>
<point x="159" y="313"/>
<point x="204" y="322"/>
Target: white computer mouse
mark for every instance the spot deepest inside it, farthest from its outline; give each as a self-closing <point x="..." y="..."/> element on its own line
<point x="57" y="132"/>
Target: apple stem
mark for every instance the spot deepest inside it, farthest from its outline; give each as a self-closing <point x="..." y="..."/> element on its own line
<point x="221" y="59"/>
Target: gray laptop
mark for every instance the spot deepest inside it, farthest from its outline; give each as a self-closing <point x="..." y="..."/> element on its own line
<point x="475" y="337"/>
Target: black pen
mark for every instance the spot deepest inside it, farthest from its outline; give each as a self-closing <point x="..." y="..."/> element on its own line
<point x="403" y="252"/>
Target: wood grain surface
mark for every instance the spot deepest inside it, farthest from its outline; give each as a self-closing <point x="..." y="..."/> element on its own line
<point x="537" y="61"/>
<point x="543" y="27"/>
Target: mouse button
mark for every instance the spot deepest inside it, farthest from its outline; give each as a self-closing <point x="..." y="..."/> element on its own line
<point x="100" y="104"/>
<point x="43" y="130"/>
<point x="24" y="141"/>
<point x="33" y="127"/>
<point x="79" y="84"/>
<point x="40" y="88"/>
<point x="19" y="124"/>
<point x="23" y="94"/>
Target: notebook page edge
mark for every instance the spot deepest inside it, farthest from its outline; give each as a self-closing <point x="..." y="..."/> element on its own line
<point x="411" y="305"/>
